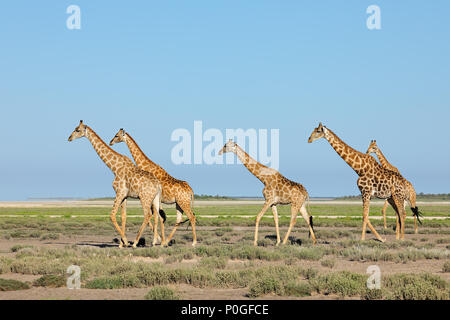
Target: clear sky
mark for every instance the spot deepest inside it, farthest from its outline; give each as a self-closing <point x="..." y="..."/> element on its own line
<point x="154" y="66"/>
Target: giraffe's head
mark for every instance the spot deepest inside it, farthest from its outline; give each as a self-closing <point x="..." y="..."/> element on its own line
<point x="80" y="131"/>
<point x="317" y="133"/>
<point x="230" y="146"/>
<point x="119" y="137"/>
<point x="373" y="148"/>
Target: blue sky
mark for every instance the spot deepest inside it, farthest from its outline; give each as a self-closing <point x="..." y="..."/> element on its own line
<point x="154" y="66"/>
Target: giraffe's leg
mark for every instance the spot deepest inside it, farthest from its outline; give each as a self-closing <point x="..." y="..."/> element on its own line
<point x="120" y="197"/>
<point x="366" y="222"/>
<point x="294" y="212"/>
<point x="156" y="203"/>
<point x="402" y="214"/>
<point x="374" y="231"/>
<point x="150" y="224"/>
<point x="162" y="239"/>
<point x="386" y="203"/>
<point x="258" y="218"/>
<point x="123" y="214"/>
<point x="146" y="203"/>
<point x="306" y="216"/>
<point x="397" y="226"/>
<point x="275" y="218"/>
<point x="152" y="212"/>
<point x="416" y="228"/>
<point x="186" y="208"/>
<point x="177" y="223"/>
<point x="366" y="206"/>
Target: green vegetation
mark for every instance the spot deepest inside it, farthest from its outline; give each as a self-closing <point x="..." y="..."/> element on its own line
<point x="161" y="293"/>
<point x="50" y="281"/>
<point x="329" y="263"/>
<point x="416" y="287"/>
<point x="341" y="283"/>
<point x="224" y="211"/>
<point x="12" y="285"/>
<point x="225" y="256"/>
<point x="446" y="267"/>
<point x="420" y="197"/>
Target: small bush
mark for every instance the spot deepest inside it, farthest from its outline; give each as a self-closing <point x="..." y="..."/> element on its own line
<point x="329" y="263"/>
<point x="416" y="287"/>
<point x="50" y="281"/>
<point x="265" y="286"/>
<point x="172" y="259"/>
<point x="301" y="289"/>
<point x="19" y="247"/>
<point x="115" y="282"/>
<point x="309" y="273"/>
<point x="50" y="236"/>
<point x="446" y="267"/>
<point x="12" y="285"/>
<point x="213" y="262"/>
<point x="372" y="294"/>
<point x="161" y="293"/>
<point x="342" y="283"/>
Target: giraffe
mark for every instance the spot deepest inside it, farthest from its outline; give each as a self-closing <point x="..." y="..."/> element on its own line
<point x="174" y="191"/>
<point x="278" y="190"/>
<point x="129" y="181"/>
<point x="374" y="180"/>
<point x="411" y="199"/>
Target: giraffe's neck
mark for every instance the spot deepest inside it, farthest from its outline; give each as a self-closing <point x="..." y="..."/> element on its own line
<point x="354" y="158"/>
<point x="108" y="155"/>
<point x="142" y="161"/>
<point x="384" y="163"/>
<point x="257" y="169"/>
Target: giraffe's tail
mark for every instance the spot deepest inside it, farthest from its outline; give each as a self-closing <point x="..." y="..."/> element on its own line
<point x="162" y="214"/>
<point x="310" y="216"/>
<point x="417" y="213"/>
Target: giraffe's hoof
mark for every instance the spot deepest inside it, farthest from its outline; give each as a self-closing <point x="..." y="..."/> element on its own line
<point x="277" y="244"/>
<point x="194" y="243"/>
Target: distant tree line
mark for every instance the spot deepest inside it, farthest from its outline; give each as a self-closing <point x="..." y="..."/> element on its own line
<point x="210" y="197"/>
<point x="420" y="196"/>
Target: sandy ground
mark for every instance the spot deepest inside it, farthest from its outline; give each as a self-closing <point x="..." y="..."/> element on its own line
<point x="189" y="292"/>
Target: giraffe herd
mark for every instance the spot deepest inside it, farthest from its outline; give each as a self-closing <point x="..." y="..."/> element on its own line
<point x="150" y="183"/>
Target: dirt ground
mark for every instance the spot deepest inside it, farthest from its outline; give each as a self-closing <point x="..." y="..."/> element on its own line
<point x="189" y="292"/>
